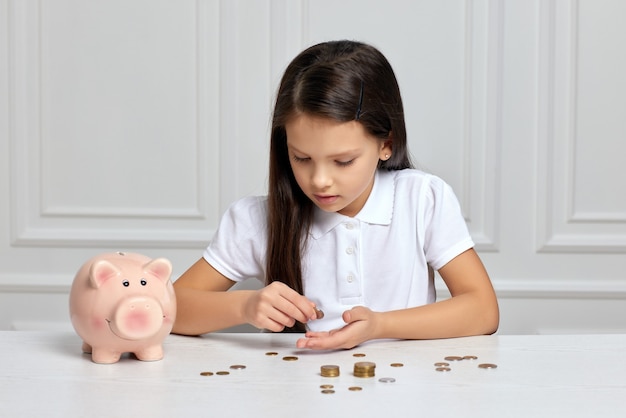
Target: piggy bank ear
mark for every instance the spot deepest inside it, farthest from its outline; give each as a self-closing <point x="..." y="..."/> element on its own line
<point x="160" y="267"/>
<point x="101" y="271"/>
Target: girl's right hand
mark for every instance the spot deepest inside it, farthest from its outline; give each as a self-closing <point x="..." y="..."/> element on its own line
<point x="277" y="306"/>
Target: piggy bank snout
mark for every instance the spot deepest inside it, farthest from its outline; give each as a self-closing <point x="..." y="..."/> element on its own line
<point x="137" y="318"/>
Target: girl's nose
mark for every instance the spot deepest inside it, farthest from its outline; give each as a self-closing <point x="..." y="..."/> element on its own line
<point x="321" y="178"/>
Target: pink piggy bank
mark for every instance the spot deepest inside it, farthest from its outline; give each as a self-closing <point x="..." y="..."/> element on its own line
<point x="123" y="303"/>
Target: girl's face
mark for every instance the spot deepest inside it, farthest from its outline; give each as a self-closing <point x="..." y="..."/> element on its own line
<point x="334" y="162"/>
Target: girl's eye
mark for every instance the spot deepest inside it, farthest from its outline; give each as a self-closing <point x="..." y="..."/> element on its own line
<point x="344" y="163"/>
<point x="299" y="160"/>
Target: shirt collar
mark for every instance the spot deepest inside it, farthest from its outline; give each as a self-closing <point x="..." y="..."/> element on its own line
<point x="378" y="208"/>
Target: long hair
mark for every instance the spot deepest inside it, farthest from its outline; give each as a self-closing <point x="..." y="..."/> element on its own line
<point x="339" y="80"/>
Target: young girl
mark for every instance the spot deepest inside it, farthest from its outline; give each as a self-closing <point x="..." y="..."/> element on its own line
<point x="349" y="234"/>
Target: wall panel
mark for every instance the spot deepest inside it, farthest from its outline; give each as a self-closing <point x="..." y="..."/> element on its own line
<point x="107" y="145"/>
<point x="581" y="203"/>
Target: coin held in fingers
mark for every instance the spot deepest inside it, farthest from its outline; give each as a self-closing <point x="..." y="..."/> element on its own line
<point x="319" y="314"/>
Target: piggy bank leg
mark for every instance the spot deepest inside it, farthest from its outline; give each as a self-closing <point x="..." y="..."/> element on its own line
<point x="86" y="348"/>
<point x="152" y="353"/>
<point x="104" y="356"/>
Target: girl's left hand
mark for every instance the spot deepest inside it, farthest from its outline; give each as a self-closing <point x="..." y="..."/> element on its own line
<point x="361" y="324"/>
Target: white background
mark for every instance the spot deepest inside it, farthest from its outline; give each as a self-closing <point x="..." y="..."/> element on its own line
<point x="132" y="124"/>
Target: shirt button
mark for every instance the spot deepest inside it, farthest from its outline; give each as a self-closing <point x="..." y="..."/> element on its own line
<point x="350" y="278"/>
<point x="349" y="250"/>
<point x="349" y="225"/>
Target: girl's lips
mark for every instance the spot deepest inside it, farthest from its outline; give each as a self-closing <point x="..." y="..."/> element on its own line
<point x="326" y="200"/>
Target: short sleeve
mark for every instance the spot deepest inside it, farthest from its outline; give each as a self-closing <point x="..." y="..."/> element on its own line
<point x="237" y="249"/>
<point x="446" y="233"/>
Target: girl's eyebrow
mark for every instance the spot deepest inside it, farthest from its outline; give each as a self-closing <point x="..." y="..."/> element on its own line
<point x="344" y="153"/>
<point x="337" y="155"/>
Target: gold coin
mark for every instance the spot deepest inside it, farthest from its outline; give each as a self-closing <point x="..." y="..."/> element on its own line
<point x="237" y="367"/>
<point x="319" y="313"/>
<point x="222" y="373"/>
<point x="271" y="353"/>
<point x="326" y="386"/>
<point x="329" y="370"/>
<point x="397" y="365"/>
<point x="364" y="365"/>
<point x="358" y="355"/>
<point x="488" y="366"/>
<point x="470" y="358"/>
<point x="443" y="369"/>
<point x="453" y="358"/>
<point x="364" y="369"/>
<point x="387" y="379"/>
<point x="355" y="388"/>
<point x="206" y="373"/>
<point x="328" y="391"/>
<point x="442" y="364"/>
<point x="290" y="358"/>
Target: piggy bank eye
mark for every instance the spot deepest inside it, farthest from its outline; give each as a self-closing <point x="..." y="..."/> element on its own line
<point x="143" y="282"/>
<point x="126" y="283"/>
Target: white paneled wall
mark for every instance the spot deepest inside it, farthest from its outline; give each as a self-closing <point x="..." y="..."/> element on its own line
<point x="132" y="124"/>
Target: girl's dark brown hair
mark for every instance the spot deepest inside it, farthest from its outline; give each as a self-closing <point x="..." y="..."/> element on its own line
<point x="339" y="80"/>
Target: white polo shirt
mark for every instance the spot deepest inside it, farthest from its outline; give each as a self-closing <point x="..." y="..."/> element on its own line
<point x="380" y="258"/>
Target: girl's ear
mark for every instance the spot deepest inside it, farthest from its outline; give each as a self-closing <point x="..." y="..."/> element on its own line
<point x="386" y="149"/>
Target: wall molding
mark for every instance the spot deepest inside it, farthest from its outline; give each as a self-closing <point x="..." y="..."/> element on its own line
<point x="560" y="228"/>
<point x="531" y="288"/>
<point x="34" y="222"/>
<point x="482" y="134"/>
<point x="35" y="283"/>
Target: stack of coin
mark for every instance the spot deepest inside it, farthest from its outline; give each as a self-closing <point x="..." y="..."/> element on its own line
<point x="364" y="369"/>
<point x="330" y="370"/>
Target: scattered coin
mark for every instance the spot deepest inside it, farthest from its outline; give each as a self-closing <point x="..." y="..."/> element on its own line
<point x="222" y="373"/>
<point x="326" y="386"/>
<point x="443" y="369"/>
<point x="470" y="358"/>
<point x="237" y="367"/>
<point x="355" y="388"/>
<point x="328" y="391"/>
<point x="453" y="358"/>
<point x="387" y="379"/>
<point x="290" y="358"/>
<point x="488" y="366"/>
<point x="206" y="373"/>
<point x="358" y="355"/>
<point x="271" y="353"/>
<point x="442" y="364"/>
<point x="329" y="370"/>
<point x="397" y="365"/>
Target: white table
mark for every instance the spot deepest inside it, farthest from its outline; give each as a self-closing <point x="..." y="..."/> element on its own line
<point x="45" y="374"/>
